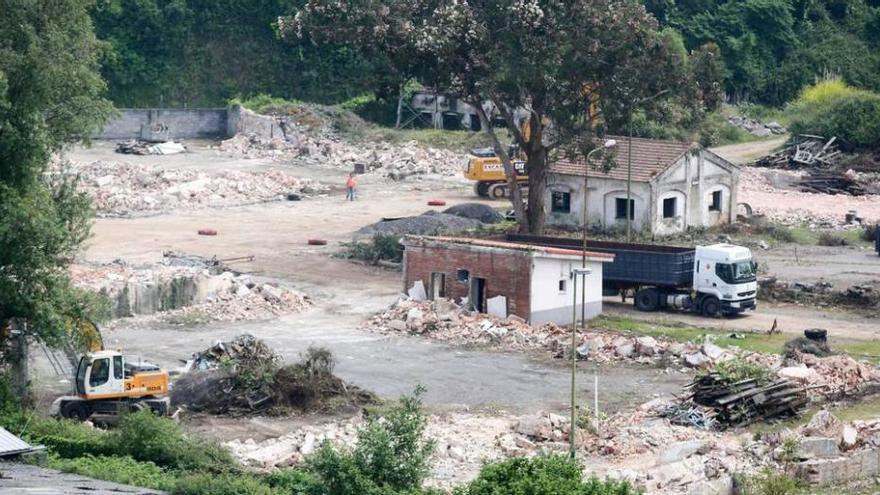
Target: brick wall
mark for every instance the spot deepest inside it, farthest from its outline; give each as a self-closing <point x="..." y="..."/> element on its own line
<point x="506" y="273"/>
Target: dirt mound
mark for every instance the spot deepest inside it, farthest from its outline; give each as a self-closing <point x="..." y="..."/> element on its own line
<point x="428" y="223"/>
<point x="245" y="376"/>
<point x="476" y="211"/>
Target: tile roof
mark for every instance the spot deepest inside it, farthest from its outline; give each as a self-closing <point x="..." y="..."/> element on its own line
<point x="514" y="246"/>
<point x="649" y="158"/>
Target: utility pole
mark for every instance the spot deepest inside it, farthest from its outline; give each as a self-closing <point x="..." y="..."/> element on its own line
<point x="629" y="163"/>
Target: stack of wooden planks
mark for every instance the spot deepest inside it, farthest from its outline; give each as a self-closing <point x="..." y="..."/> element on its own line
<point x="745" y="402"/>
<point x="807" y="151"/>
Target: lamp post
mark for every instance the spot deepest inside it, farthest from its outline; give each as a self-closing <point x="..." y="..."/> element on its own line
<point x="581" y="272"/>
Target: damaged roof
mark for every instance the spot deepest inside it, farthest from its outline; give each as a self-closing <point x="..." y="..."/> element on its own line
<point x="11" y="444"/>
<point x="488" y="243"/>
<point x="649" y="158"/>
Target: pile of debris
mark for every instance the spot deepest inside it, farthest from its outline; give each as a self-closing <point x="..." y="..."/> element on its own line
<point x="184" y="289"/>
<point x="755" y="127"/>
<point x="833" y="377"/>
<point x="444" y="320"/>
<point x="864" y="296"/>
<point x="805" y="151"/>
<point x="725" y="403"/>
<point x="428" y="223"/>
<point x="142" y="147"/>
<point x="245" y="376"/>
<point x="395" y="161"/>
<point x="778" y="195"/>
<point x="119" y="188"/>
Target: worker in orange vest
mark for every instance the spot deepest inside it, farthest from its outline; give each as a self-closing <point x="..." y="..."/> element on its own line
<point x="350" y="185"/>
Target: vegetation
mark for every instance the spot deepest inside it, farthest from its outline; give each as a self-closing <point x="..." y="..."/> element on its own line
<point x="609" y="51"/>
<point x="50" y="95"/>
<point x="769" y="482"/>
<point x="737" y="369"/>
<point x="832" y="108"/>
<point x="556" y="474"/>
<point x="382" y="247"/>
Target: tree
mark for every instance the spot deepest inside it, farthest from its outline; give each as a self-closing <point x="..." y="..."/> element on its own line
<point x="707" y="67"/>
<point x="50" y="95"/>
<point x="542" y="63"/>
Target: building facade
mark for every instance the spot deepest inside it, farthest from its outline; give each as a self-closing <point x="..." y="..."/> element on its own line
<point x="503" y="278"/>
<point x="674" y="186"/>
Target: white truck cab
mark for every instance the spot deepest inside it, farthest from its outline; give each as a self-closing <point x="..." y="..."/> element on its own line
<point x="725" y="275"/>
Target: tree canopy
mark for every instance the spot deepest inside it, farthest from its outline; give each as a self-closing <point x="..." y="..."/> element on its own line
<point x="542" y="62"/>
<point x="50" y="95"/>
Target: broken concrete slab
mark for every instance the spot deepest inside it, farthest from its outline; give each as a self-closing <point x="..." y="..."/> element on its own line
<point x="679" y="451"/>
<point x="417" y="291"/>
<point x="818" y="448"/>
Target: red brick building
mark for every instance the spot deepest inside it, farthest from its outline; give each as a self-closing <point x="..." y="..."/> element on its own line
<point x="502" y="278"/>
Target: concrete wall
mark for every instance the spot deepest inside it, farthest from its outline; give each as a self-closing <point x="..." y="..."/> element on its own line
<point x="244" y="121"/>
<point x="691" y="181"/>
<point x="168" y="123"/>
<point x="551" y="305"/>
<point x="506" y="272"/>
<point x="144" y="298"/>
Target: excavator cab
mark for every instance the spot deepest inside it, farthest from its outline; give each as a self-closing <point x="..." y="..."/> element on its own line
<point x="108" y="382"/>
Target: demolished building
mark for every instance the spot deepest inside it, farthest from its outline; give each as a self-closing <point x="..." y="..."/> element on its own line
<point x="504" y="278"/>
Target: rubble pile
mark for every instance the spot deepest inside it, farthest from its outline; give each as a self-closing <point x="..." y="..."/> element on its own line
<point x="245" y="376"/>
<point x="141" y="147"/>
<point x="181" y="287"/>
<point x="813" y="152"/>
<point x="789" y="204"/>
<point x="428" y="223"/>
<point x="833" y="377"/>
<point x="444" y="320"/>
<point x="755" y="127"/>
<point x="395" y="161"/>
<point x="120" y="188"/>
<point x="863" y="296"/>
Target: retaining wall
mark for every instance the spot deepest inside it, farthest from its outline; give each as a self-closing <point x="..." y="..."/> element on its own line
<point x="169" y="123"/>
<point x="162" y="124"/>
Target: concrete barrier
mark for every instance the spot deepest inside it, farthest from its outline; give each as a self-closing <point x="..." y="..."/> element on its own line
<point x="169" y="123"/>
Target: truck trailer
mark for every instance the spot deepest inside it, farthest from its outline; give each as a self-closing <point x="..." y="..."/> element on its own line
<point x="711" y="280"/>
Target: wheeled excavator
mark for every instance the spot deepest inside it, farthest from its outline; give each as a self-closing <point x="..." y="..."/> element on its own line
<point x="109" y="382"/>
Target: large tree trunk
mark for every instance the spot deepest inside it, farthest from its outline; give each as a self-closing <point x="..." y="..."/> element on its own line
<point x="537" y="167"/>
<point x="17" y="356"/>
<point x="509" y="172"/>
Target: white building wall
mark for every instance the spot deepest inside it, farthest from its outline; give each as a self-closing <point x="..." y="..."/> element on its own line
<point x="601" y="196"/>
<point x="549" y="304"/>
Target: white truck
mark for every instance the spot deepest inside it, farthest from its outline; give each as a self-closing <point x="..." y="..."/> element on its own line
<point x="720" y="279"/>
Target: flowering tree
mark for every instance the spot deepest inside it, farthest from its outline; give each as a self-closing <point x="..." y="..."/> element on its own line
<point x="544" y="63"/>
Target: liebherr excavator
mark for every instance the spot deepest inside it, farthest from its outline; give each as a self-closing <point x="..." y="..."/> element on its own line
<point x="108" y="382"/>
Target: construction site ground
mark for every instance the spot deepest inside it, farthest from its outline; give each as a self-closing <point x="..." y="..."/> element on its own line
<point x="346" y="293"/>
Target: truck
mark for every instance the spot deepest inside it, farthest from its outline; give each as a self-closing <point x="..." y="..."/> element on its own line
<point x="720" y="279"/>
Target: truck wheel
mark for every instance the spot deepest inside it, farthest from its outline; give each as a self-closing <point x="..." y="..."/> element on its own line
<point x="75" y="410"/>
<point x="647" y="300"/>
<point x="482" y="189"/>
<point x="711" y="307"/>
<point x="498" y="191"/>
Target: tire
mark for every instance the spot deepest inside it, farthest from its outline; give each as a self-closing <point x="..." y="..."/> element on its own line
<point x="482" y="189"/>
<point x="647" y="300"/>
<point x="498" y="191"/>
<point x="75" y="410"/>
<point x="711" y="307"/>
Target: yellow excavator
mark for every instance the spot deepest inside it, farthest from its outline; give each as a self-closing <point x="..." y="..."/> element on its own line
<point x="108" y="382"/>
<point x="485" y="168"/>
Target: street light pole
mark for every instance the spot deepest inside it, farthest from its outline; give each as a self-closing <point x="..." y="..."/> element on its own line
<point x="581" y="272"/>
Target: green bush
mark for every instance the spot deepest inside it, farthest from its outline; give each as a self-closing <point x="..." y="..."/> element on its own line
<point x="223" y="484"/>
<point x="833" y="109"/>
<point x="542" y="475"/>
<point x="147" y="437"/>
<point x="869" y="233"/>
<point x="68" y="438"/>
<point x="768" y="483"/>
<point x="262" y="102"/>
<point x="391" y="455"/>
<point x="292" y="481"/>
<point x="382" y="247"/>
<point x="739" y="369"/>
<point x="830" y="239"/>
<point x="117" y="469"/>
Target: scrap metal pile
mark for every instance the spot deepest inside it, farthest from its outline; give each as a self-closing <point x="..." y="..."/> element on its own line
<point x="741" y="403"/>
<point x="245" y="376"/>
<point x="141" y="147"/>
